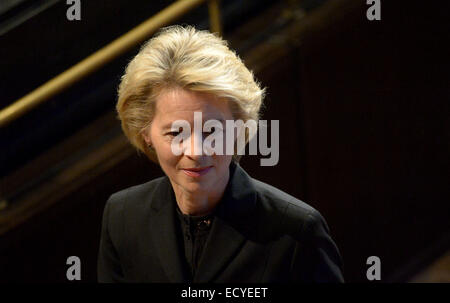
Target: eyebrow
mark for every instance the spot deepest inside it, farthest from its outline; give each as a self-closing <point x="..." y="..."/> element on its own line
<point x="167" y="126"/>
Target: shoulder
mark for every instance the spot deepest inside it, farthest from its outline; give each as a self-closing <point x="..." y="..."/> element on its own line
<point x="135" y="196"/>
<point x="278" y="198"/>
<point x="289" y="215"/>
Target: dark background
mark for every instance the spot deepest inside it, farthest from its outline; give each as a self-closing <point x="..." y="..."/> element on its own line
<point x="364" y="127"/>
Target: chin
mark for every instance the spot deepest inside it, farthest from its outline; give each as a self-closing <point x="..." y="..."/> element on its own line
<point x="195" y="185"/>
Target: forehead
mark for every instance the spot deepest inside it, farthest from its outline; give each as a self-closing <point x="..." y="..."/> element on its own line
<point x="178" y="103"/>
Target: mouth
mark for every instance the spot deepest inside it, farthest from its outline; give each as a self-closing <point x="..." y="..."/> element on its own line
<point x="197" y="171"/>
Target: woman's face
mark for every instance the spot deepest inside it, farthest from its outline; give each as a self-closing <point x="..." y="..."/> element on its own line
<point x="189" y="172"/>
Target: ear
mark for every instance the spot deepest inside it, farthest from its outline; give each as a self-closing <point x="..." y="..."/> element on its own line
<point x="145" y="133"/>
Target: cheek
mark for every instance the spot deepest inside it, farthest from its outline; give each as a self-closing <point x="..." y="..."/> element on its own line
<point x="168" y="163"/>
<point x="164" y="151"/>
<point x="224" y="138"/>
<point x="222" y="162"/>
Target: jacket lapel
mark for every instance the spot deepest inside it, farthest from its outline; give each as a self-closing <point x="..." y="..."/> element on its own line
<point x="233" y="219"/>
<point x="164" y="233"/>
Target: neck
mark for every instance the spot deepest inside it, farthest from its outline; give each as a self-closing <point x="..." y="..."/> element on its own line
<point x="200" y="203"/>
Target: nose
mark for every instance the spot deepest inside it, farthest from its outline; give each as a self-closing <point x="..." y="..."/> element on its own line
<point x="195" y="149"/>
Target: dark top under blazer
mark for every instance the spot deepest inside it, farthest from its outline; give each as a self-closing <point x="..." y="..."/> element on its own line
<point x="259" y="234"/>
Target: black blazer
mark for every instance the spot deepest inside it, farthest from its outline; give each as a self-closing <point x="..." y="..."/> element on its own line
<point x="259" y="234"/>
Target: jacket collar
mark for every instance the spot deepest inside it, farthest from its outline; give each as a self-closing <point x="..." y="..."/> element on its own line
<point x="233" y="217"/>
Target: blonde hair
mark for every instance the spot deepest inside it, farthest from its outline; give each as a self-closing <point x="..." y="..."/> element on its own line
<point x="191" y="59"/>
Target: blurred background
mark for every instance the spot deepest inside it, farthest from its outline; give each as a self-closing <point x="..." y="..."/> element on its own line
<point x="363" y="109"/>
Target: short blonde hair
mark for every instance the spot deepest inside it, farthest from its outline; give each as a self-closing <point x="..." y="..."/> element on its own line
<point x="191" y="59"/>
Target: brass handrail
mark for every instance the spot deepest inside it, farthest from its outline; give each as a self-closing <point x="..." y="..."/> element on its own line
<point x="105" y="55"/>
<point x="214" y="16"/>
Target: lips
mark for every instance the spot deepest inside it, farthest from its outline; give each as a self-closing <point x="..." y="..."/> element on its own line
<point x="197" y="171"/>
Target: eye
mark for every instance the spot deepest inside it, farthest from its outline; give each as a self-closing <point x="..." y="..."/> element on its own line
<point x="213" y="129"/>
<point x="172" y="133"/>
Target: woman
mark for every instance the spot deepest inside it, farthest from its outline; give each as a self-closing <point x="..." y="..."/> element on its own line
<point x="207" y="220"/>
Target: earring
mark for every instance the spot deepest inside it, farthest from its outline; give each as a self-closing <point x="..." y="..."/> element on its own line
<point x="150" y="146"/>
